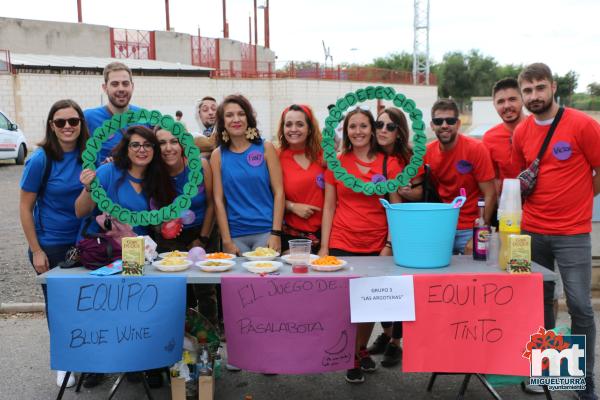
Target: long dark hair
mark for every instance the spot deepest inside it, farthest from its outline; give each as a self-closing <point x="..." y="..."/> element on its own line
<point x="156" y="182"/>
<point x="50" y="143"/>
<point x="312" y="148"/>
<point x="346" y="144"/>
<point x="402" y="148"/>
<point x="250" y="118"/>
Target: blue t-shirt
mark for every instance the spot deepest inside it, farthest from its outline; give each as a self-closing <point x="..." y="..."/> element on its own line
<point x="54" y="212"/>
<point x="198" y="202"/>
<point x="116" y="183"/>
<point x="247" y="190"/>
<point x="94" y="118"/>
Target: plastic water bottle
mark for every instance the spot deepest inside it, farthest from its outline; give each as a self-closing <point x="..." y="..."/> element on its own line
<point x="493" y="248"/>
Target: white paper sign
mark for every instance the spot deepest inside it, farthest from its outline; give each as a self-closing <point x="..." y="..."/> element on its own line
<point x="382" y="298"/>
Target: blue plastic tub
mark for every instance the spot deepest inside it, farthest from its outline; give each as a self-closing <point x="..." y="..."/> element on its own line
<point x="423" y="233"/>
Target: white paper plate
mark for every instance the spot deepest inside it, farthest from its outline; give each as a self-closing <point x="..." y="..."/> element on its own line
<point x="329" y="268"/>
<point x="231" y="257"/>
<point x="220" y="268"/>
<point x="251" y="266"/>
<point x="286" y="258"/>
<point x="171" y="268"/>
<point x="259" y="258"/>
<point x="184" y="254"/>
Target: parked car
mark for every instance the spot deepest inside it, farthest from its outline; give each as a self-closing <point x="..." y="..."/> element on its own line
<point x="12" y="141"/>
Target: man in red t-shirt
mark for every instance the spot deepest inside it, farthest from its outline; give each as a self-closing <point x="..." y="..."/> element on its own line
<point x="558" y="214"/>
<point x="498" y="140"/>
<point x="456" y="162"/>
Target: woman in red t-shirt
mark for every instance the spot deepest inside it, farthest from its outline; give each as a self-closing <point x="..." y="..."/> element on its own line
<point x="301" y="160"/>
<point x="353" y="223"/>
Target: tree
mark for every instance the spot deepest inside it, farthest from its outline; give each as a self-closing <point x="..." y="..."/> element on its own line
<point x="482" y="72"/>
<point x="453" y="77"/>
<point x="398" y="61"/>
<point x="594" y="89"/>
<point x="566" y="86"/>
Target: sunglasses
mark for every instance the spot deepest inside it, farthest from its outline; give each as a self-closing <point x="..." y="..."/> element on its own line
<point x="440" y="121"/>
<point x="137" y="146"/>
<point x="390" y="126"/>
<point x="61" y="122"/>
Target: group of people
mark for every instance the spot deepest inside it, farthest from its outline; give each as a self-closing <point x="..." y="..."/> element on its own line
<point x="262" y="194"/>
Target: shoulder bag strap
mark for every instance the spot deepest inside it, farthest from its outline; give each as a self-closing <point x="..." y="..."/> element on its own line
<point x="550" y="133"/>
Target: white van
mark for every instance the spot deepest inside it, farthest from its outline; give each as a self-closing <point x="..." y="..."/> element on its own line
<point x="12" y="141"/>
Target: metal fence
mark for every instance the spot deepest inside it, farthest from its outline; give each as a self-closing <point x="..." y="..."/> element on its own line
<point x="132" y="43"/>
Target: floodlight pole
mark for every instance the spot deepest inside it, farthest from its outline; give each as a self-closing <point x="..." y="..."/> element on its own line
<point x="79" y="14"/>
<point x="167" y="15"/>
<point x="225" y="27"/>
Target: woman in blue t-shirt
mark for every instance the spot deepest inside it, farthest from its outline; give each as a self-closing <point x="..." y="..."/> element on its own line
<point x="136" y="175"/>
<point x="248" y="187"/>
<point x="49" y="187"/>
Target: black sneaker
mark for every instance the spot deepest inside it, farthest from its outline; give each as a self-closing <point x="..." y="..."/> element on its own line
<point x="355" y="375"/>
<point x="379" y="344"/>
<point x="92" y="380"/>
<point x="391" y="356"/>
<point x="366" y="362"/>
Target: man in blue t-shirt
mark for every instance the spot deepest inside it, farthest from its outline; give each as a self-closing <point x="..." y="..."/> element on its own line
<point x="118" y="86"/>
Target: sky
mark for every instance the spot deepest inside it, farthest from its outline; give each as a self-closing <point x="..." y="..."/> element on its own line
<point x="563" y="34"/>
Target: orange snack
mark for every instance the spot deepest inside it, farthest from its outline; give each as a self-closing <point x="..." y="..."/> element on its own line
<point x="218" y="256"/>
<point x="327" y="260"/>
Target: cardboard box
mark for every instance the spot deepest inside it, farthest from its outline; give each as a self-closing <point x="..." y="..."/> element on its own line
<point x="519" y="254"/>
<point x="206" y="388"/>
<point x="132" y="254"/>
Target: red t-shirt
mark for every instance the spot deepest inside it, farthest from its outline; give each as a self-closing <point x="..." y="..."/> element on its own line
<point x="466" y="164"/>
<point x="302" y="186"/>
<point x="561" y="203"/>
<point x="359" y="222"/>
<point x="498" y="141"/>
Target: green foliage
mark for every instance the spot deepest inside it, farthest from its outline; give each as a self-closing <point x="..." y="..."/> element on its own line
<point x="397" y="61"/>
<point x="584" y="101"/>
<point x="566" y="87"/>
<point x="594" y="89"/>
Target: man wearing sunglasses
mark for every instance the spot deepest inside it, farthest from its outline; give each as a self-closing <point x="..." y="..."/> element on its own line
<point x="118" y="86"/>
<point x="558" y="213"/>
<point x="456" y="162"/>
<point x="498" y="140"/>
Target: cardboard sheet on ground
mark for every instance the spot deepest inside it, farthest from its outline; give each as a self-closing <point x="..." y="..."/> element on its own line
<point x="382" y="298"/>
<point x="115" y="323"/>
<point x="291" y="325"/>
<point x="473" y="323"/>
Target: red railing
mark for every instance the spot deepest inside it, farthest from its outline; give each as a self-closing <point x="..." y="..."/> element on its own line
<point x="131" y="43"/>
<point x="205" y="52"/>
<point x="303" y="70"/>
<point x="5" y="65"/>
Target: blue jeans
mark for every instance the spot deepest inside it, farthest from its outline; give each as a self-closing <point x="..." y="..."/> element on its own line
<point x="460" y="240"/>
<point x="573" y="254"/>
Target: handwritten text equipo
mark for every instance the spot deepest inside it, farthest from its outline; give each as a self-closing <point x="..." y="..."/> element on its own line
<point x="122" y="296"/>
<point x="472" y="294"/>
<point x="248" y="326"/>
<point x="122" y="334"/>
<point x="249" y="294"/>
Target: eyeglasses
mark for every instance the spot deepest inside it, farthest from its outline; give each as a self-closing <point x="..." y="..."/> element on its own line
<point x="362" y="107"/>
<point x="440" y="121"/>
<point x="390" y="126"/>
<point x="137" y="146"/>
<point x="61" y="122"/>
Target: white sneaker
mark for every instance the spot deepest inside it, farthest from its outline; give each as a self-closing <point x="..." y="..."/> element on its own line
<point x="60" y="377"/>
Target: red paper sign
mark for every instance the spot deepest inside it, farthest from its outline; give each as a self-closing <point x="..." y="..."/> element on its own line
<point x="473" y="323"/>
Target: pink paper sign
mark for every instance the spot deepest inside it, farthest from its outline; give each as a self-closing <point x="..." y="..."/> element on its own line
<point x="473" y="323"/>
<point x="291" y="325"/>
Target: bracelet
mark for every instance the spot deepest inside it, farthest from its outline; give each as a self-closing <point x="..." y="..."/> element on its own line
<point x="275" y="232"/>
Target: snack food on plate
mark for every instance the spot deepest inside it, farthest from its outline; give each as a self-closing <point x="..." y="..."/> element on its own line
<point x="218" y="256"/>
<point x="327" y="260"/>
<point x="262" y="252"/>
<point x="176" y="253"/>
<point x="214" y="264"/>
<point x="263" y="265"/>
<point x="173" y="261"/>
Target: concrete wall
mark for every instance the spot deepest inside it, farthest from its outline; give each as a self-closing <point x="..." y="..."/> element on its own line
<point x="173" y="47"/>
<point x="58" y="38"/>
<point x="484" y="112"/>
<point x="33" y="94"/>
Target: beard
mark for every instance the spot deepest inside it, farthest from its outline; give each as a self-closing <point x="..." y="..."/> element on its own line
<point x="117" y="103"/>
<point x="539" y="106"/>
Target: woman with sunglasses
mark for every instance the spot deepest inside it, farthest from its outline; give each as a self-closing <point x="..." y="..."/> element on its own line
<point x="49" y="187"/>
<point x="392" y="131"/>
<point x="355" y="224"/>
<point x="136" y="175"/>
<point x="303" y="169"/>
<point x="247" y="183"/>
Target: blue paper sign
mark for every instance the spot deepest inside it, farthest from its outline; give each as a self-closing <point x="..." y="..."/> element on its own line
<point x="115" y="323"/>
